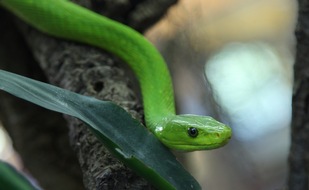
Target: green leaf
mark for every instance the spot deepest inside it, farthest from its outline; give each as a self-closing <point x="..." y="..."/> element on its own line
<point x="11" y="179"/>
<point x="121" y="134"/>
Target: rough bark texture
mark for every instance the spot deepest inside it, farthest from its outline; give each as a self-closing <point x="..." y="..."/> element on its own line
<point x="39" y="135"/>
<point x="299" y="154"/>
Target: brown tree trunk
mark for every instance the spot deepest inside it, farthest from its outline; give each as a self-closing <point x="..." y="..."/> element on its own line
<point x="299" y="153"/>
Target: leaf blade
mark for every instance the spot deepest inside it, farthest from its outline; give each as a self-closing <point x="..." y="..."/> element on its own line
<point x="11" y="179"/>
<point x="124" y="136"/>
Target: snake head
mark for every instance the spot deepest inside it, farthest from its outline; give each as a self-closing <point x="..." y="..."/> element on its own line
<point x="193" y="132"/>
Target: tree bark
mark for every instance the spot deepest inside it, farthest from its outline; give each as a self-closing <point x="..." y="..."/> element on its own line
<point x="39" y="135"/>
<point x="299" y="153"/>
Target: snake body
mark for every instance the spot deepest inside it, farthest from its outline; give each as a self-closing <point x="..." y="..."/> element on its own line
<point x="64" y="19"/>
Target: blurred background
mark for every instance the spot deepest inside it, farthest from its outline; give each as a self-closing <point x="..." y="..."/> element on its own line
<point x="248" y="48"/>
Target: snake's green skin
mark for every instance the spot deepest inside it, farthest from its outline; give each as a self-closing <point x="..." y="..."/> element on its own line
<point x="64" y="19"/>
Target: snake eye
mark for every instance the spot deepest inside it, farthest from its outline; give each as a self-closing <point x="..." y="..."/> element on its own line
<point x="192" y="132"/>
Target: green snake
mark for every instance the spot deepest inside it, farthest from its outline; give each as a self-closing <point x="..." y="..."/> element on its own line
<point x="66" y="20"/>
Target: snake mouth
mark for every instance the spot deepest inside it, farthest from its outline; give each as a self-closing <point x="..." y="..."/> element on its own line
<point x="181" y="146"/>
